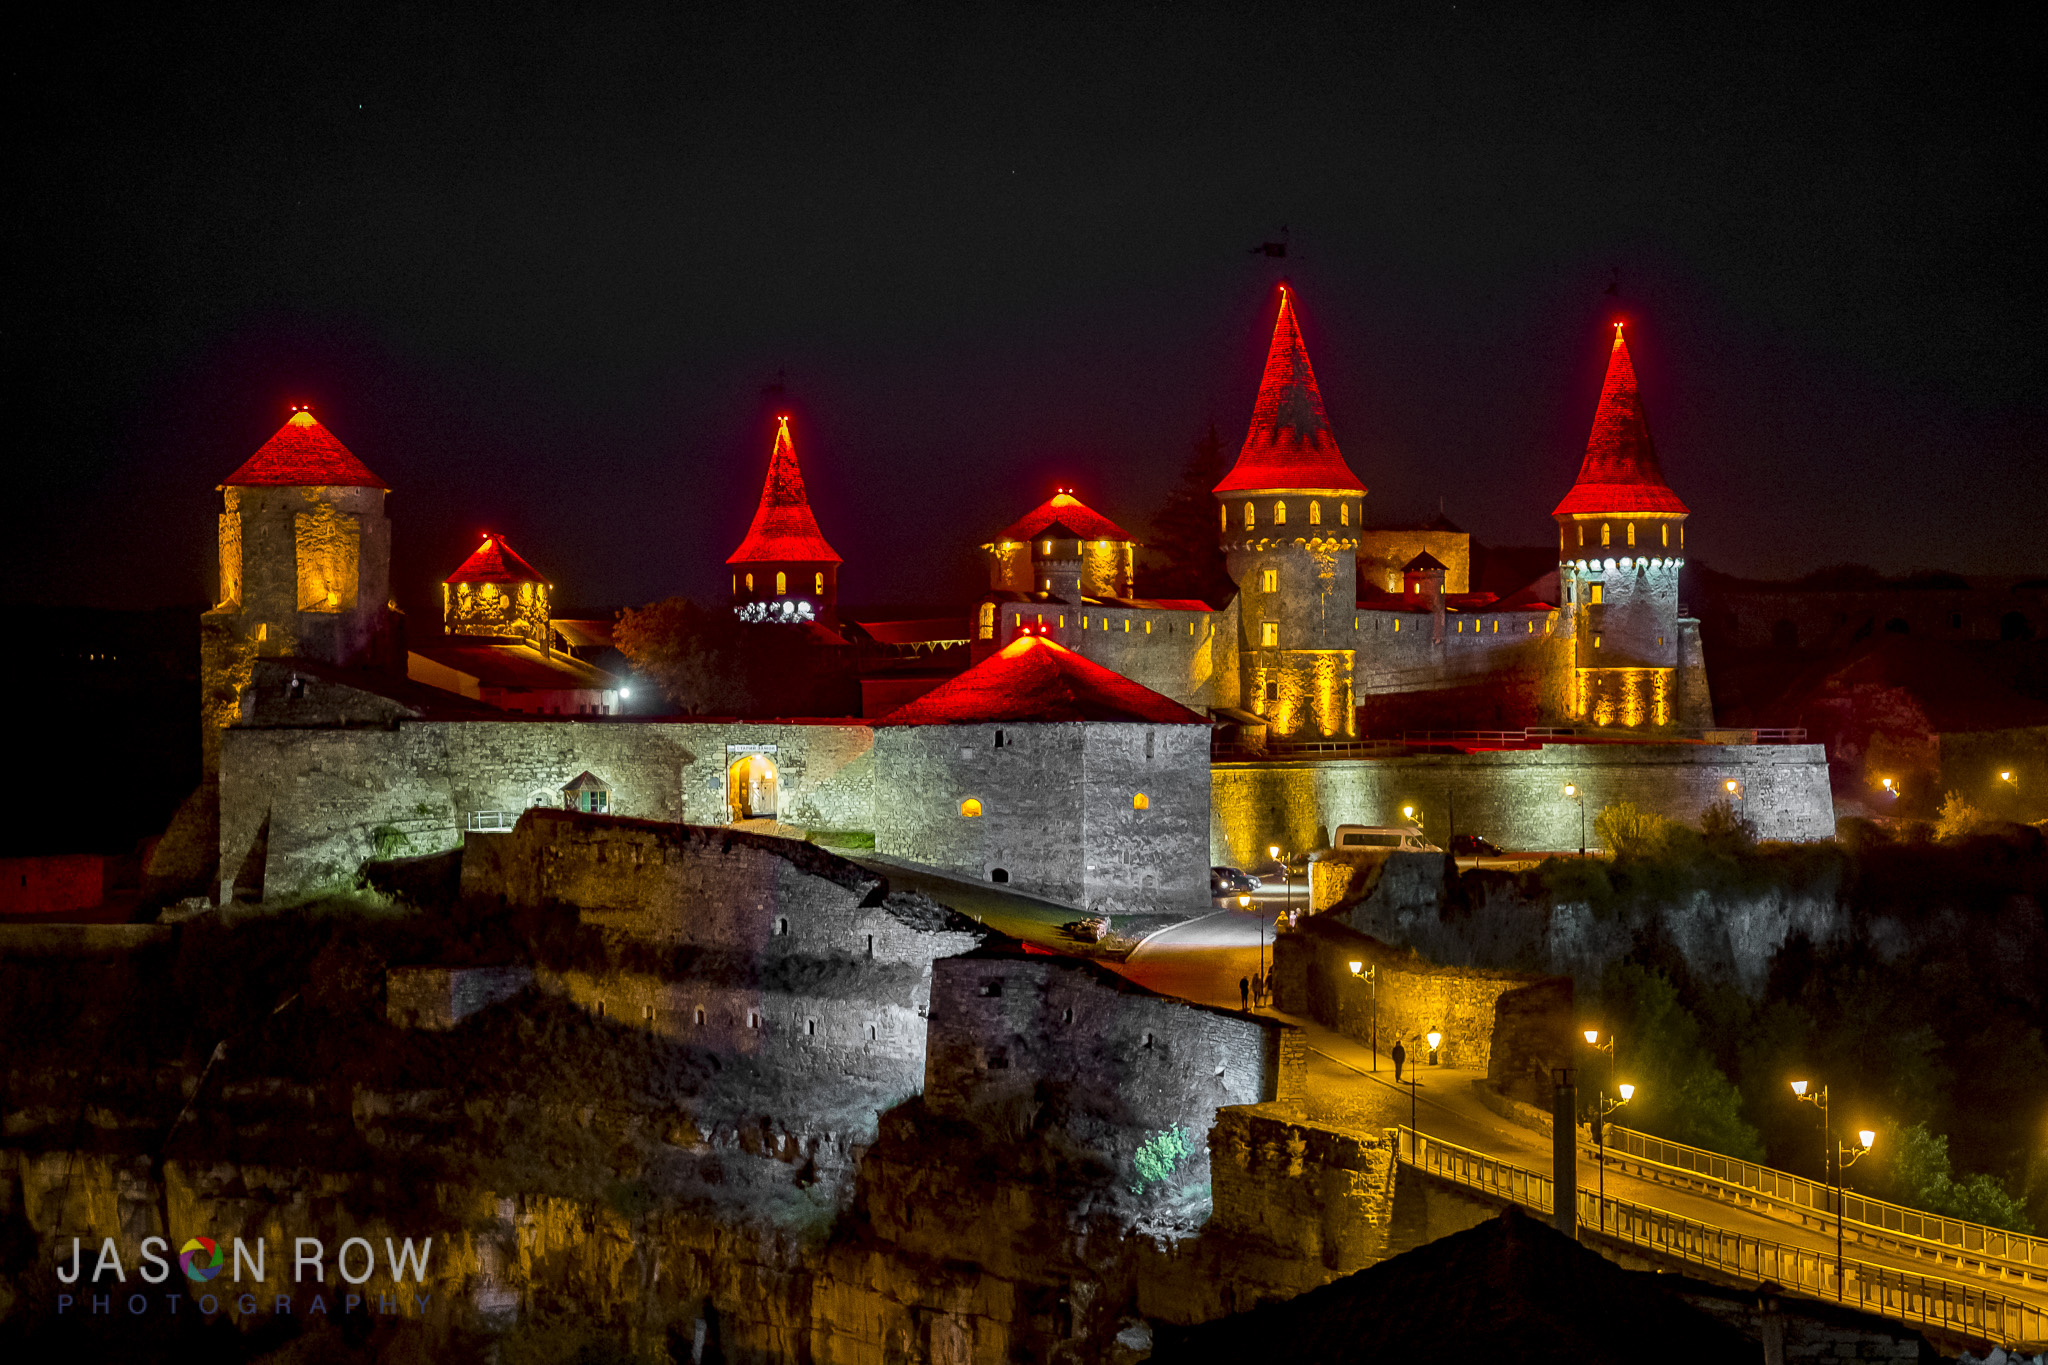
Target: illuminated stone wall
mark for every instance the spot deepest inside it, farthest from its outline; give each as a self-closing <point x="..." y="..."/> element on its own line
<point x="1515" y="798"/>
<point x="512" y="611"/>
<point x="1191" y="656"/>
<point x="1012" y="1038"/>
<point x="1055" y="809"/>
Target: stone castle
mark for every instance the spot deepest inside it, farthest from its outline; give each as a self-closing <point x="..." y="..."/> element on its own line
<point x="1070" y="738"/>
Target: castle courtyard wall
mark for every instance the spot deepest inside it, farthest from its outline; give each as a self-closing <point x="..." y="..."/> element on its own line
<point x="1516" y="797"/>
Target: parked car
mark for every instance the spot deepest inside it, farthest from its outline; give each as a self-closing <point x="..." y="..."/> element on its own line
<point x="1093" y="929"/>
<point x="1228" y="881"/>
<point x="1403" y="837"/>
<point x="1472" y="846"/>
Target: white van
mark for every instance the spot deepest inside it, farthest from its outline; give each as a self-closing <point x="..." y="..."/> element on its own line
<point x="1404" y="837"/>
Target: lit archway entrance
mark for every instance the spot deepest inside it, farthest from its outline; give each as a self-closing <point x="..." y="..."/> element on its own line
<point x="750" y="787"/>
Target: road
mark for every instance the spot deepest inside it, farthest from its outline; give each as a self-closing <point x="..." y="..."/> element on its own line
<point x="1203" y="960"/>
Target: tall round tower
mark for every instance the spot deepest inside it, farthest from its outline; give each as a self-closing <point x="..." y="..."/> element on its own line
<point x="305" y="568"/>
<point x="1289" y="512"/>
<point x="1620" y="545"/>
<point x="784" y="571"/>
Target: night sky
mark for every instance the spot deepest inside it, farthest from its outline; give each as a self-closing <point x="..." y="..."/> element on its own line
<point x="539" y="265"/>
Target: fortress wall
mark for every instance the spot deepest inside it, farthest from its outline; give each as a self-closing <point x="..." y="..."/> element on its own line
<point x="1156" y="859"/>
<point x="1299" y="1191"/>
<point x="1197" y="669"/>
<point x="1515" y="798"/>
<point x="1475" y="645"/>
<point x="1312" y="976"/>
<point x="1012" y="1041"/>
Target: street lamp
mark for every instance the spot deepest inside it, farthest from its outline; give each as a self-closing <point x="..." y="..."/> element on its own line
<point x="1735" y="790"/>
<point x="1571" y="792"/>
<point x="1372" y="975"/>
<point x="1592" y="1036"/>
<point x="1286" y="874"/>
<point x="1891" y="788"/>
<point x="1602" y="1107"/>
<point x="1838" y="1159"/>
<point x="1435" y="1036"/>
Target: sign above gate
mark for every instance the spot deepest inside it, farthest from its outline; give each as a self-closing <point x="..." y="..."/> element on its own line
<point x="750" y="748"/>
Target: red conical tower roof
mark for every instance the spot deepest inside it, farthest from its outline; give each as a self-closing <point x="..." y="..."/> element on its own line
<point x="1619" y="473"/>
<point x="1289" y="445"/>
<point x="1077" y="516"/>
<point x="303" y="454"/>
<point x="784" y="530"/>
<point x="496" y="562"/>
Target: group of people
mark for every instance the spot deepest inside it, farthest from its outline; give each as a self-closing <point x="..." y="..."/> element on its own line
<point x="1255" y="991"/>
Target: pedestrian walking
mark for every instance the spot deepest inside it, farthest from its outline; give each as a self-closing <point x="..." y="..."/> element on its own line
<point x="1258" y="990"/>
<point x="1400" y="1055"/>
<point x="1244" y="993"/>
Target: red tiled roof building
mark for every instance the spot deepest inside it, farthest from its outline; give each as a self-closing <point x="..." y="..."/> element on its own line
<point x="303" y="454"/>
<point x="496" y="593"/>
<point x="784" y="571"/>
<point x="1035" y="679"/>
<point x="1619" y="473"/>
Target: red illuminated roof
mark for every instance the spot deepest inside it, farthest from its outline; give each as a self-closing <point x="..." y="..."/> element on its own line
<point x="1289" y="445"/>
<point x="1033" y="679"/>
<point x="784" y="531"/>
<point x="495" y="562"/>
<point x="303" y="454"/>
<point x="1064" y="509"/>
<point x="1620" y="471"/>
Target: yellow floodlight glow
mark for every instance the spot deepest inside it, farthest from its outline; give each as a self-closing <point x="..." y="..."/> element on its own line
<point x="1592" y="1036"/>
<point x="1866" y="1137"/>
<point x="1628" y="1092"/>
<point x="1799" y="1089"/>
<point x="1434" y="1039"/>
<point x="1357" y="967"/>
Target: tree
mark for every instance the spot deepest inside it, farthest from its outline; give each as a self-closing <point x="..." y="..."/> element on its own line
<point x="1725" y="829"/>
<point x="1629" y="830"/>
<point x="1185" y="555"/>
<point x="1921" y="1177"/>
<point x="1957" y="818"/>
<point x="1681" y="1094"/>
<point x="707" y="662"/>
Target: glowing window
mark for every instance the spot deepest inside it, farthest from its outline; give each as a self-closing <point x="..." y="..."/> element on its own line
<point x="1397" y="623"/>
<point x="1063" y="623"/>
<point x="1269" y="580"/>
<point x="1225" y="511"/>
<point x="818" y="585"/>
<point x="1496" y="625"/>
<point x="988" y="621"/>
<point x="1596" y="642"/>
<point x="1127" y="625"/>
<point x="1667" y="534"/>
<point x="1251" y="518"/>
<point x="1269" y="633"/>
<point x="750" y="582"/>
<point x="1048" y="547"/>
<point x="1596" y="594"/>
<point x="1461" y="627"/>
<point x="1681" y="535"/>
<point x="1084" y="623"/>
<point x="1148" y="627"/>
<point x="1315" y="513"/>
<point x="970" y="808"/>
<point x="1606" y="533"/>
<point x="1631" y="533"/>
<point x="1582" y="535"/>
<point x="1141" y="802"/>
<point x="735" y="584"/>
<point x="1343" y="514"/>
<point x="781" y="583"/>
<point x="1279" y="514"/>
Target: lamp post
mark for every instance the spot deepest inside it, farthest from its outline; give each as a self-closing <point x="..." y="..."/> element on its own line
<point x="1372" y="975"/>
<point x="1435" y="1036"/>
<point x="1735" y="790"/>
<point x="1838" y="1159"/>
<point x="1602" y="1107"/>
<point x="1286" y="875"/>
<point x="1576" y="797"/>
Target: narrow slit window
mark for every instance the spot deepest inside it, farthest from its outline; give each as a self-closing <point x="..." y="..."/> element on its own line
<point x="1279" y="514"/>
<point x="1140" y="801"/>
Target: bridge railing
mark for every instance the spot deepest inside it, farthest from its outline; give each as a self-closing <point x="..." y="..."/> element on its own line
<point x="2015" y="1248"/>
<point x="1910" y="1297"/>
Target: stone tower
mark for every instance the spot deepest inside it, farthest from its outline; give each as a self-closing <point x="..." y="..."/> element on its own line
<point x="1066" y="548"/>
<point x="784" y="571"/>
<point x="1290" y="510"/>
<point x="497" y="595"/>
<point x="1620" y="544"/>
<point x="305" y="570"/>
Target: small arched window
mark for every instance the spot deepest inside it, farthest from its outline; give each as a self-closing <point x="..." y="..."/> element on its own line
<point x="970" y="808"/>
<point x="1343" y="514"/>
<point x="1582" y="536"/>
<point x="781" y="583"/>
<point x="1251" y="517"/>
<point x="1140" y="801"/>
<point x="1279" y="514"/>
<point x="1667" y="535"/>
<point x="1631" y="533"/>
<point x="1315" y="513"/>
<point x="819" y="585"/>
<point x="1606" y="534"/>
<point x="1681" y="535"/>
<point x="1225" y="513"/>
<point x="1269" y="580"/>
<point x="1048" y="547"/>
<point x="750" y="582"/>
